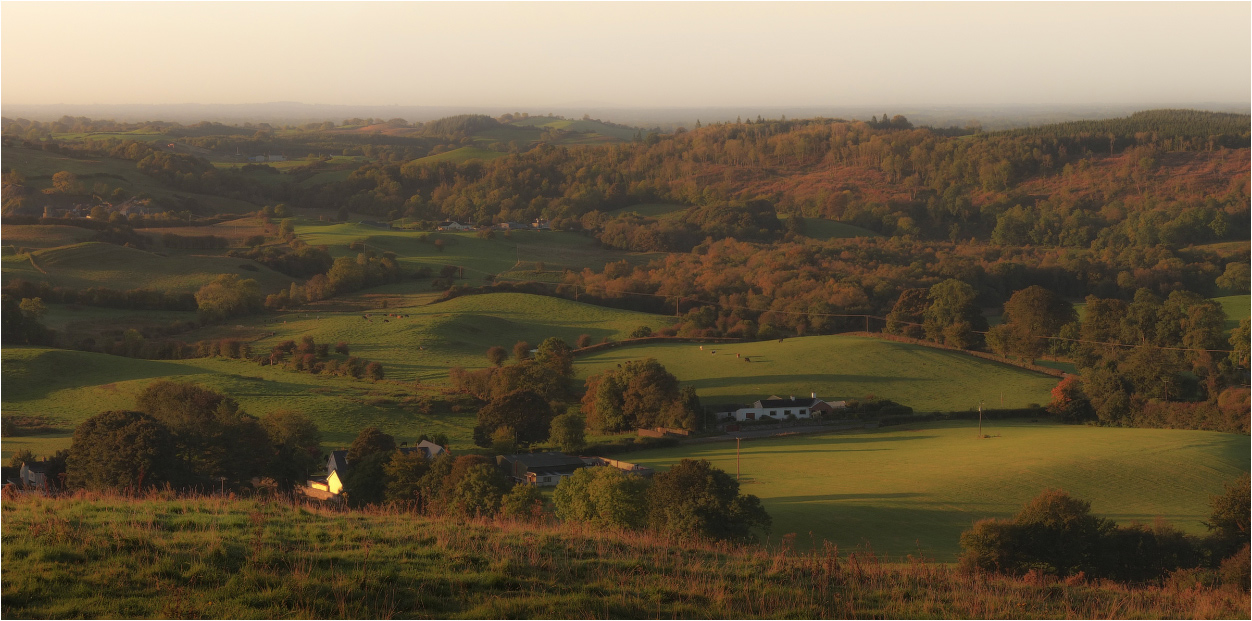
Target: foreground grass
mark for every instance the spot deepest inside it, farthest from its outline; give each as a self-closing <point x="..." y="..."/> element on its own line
<point x="914" y="489"/>
<point x="94" y="556"/>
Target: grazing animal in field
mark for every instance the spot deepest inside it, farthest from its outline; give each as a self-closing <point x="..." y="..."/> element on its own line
<point x="747" y="360"/>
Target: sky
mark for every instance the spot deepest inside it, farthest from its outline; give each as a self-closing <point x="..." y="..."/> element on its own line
<point x="646" y="54"/>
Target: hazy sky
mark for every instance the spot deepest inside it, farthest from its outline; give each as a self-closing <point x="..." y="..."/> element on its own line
<point x="654" y="54"/>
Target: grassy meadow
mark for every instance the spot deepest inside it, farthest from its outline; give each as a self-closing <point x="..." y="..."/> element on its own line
<point x="97" y="264"/>
<point x="1236" y="307"/>
<point x="211" y="557"/>
<point x="518" y="250"/>
<point x="914" y="489"/>
<point x="461" y="155"/>
<point x="65" y="387"/>
<point x="69" y="386"/>
<point x="838" y="367"/>
<point x="38" y="166"/>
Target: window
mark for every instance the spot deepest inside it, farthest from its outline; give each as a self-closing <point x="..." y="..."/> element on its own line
<point x="787" y="412"/>
<point x="773" y="412"/>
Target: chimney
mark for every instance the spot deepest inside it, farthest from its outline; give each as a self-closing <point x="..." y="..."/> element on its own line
<point x="813" y="395"/>
<point x="793" y="397"/>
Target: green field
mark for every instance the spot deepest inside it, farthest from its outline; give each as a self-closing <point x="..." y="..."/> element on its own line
<point x="39" y="166"/>
<point x="581" y="126"/>
<point x="914" y="489"/>
<point x="660" y="211"/>
<point x="463" y="154"/>
<point x="71" y="386"/>
<point x="96" y="264"/>
<point x="457" y="332"/>
<point x="823" y="229"/>
<point x="43" y="236"/>
<point x="68" y="386"/>
<point x="1236" y="307"/>
<point x="480" y="257"/>
<point x="839" y="367"/>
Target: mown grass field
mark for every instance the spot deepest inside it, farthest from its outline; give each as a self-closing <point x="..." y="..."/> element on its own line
<point x="910" y="490"/>
<point x="838" y="367"/>
<point x="109" y="557"/>
<point x="96" y="264"/>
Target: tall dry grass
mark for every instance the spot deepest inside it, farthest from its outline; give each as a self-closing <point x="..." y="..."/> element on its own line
<point x="162" y="555"/>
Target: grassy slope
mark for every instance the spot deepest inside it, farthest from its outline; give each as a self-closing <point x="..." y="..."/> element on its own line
<point x="1236" y="307"/>
<point x="95" y="264"/>
<point x="43" y="236"/>
<point x="558" y="250"/>
<point x="908" y="489"/>
<point x="214" y="558"/>
<point x="39" y="166"/>
<point x="838" y="367"/>
<point x="70" y="386"/>
<point x="823" y="229"/>
<point x="458" y="332"/>
<point x="462" y="154"/>
<point x="660" y="211"/>
<point x="614" y="133"/>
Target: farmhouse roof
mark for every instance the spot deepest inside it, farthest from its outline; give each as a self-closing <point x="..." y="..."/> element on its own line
<point x="788" y="403"/>
<point x="338" y="459"/>
<point x="545" y="462"/>
<point x="428" y="449"/>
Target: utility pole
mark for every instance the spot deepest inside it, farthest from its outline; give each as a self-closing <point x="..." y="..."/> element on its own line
<point x="677" y="301"/>
<point x="980" y="420"/>
<point x="737" y="442"/>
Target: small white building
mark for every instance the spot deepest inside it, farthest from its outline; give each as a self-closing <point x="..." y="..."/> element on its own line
<point x="778" y="409"/>
<point x="450" y="225"/>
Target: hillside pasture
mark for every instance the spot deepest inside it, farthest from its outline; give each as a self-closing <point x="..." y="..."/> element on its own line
<point x="660" y="211"/>
<point x="1236" y="307"/>
<point x="615" y="134"/>
<point x="422" y="347"/>
<point x="235" y="231"/>
<point x="823" y="229"/>
<point x="480" y="257"/>
<point x="913" y="490"/>
<point x="70" y="386"/>
<point x="43" y="236"/>
<point x="95" y="264"/>
<point x="39" y="166"/>
<point x="431" y="339"/>
<point x="838" y="367"/>
<point x="459" y="156"/>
